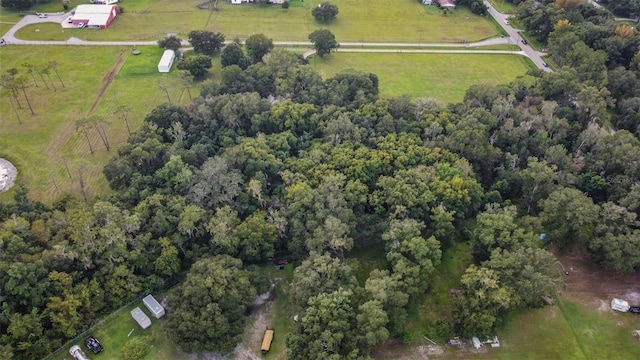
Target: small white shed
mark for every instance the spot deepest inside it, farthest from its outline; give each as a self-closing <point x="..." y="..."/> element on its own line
<point x="166" y="61"/>
<point x="141" y="318"/>
<point x="154" y="306"/>
<point x="619" y="305"/>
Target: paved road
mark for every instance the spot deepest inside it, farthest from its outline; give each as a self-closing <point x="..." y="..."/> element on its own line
<point x="528" y="51"/>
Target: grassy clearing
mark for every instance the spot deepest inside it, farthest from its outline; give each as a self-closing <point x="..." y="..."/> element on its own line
<point x="282" y="312"/>
<point x="377" y="20"/>
<point x="568" y="330"/>
<point x="503" y="6"/>
<point x="442" y="76"/>
<point x="113" y="336"/>
<point x="40" y="145"/>
<point x="437" y="304"/>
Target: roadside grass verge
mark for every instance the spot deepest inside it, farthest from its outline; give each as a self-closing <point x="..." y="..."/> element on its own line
<point x="445" y="77"/>
<point x="503" y="6"/>
<point x="532" y="41"/>
<point x="45" y="144"/>
<point x="379" y="20"/>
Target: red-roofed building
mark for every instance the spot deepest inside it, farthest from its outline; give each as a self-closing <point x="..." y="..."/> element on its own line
<point x="95" y="16"/>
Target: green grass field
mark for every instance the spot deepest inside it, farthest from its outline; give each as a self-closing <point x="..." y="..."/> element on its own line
<point x="445" y="77"/>
<point x="40" y="145"/>
<point x="503" y="6"/>
<point x="113" y="335"/>
<point x="373" y="21"/>
<point x="568" y="330"/>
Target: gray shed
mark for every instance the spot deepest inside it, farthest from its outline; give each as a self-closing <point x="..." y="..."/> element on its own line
<point x="141" y="318"/>
<point x="154" y="306"/>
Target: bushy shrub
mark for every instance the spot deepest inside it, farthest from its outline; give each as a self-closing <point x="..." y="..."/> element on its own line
<point x="137" y="348"/>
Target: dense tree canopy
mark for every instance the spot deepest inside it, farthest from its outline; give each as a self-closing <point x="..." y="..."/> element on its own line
<point x="273" y="159"/>
<point x="207" y="310"/>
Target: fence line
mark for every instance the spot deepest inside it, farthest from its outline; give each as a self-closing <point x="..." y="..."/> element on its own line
<point x="92" y="328"/>
<point x="168" y="285"/>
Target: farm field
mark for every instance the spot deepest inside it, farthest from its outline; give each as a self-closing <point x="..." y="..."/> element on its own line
<point x="97" y="80"/>
<point x="376" y="20"/>
<point x="427" y="75"/>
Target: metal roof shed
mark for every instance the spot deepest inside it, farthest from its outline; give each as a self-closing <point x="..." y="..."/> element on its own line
<point x="154" y="306"/>
<point x="141" y="318"/>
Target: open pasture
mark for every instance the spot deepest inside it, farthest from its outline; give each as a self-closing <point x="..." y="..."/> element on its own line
<point x="43" y="146"/>
<point x="357" y="21"/>
<point x="445" y="77"/>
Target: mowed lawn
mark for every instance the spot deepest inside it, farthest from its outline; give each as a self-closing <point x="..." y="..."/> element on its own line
<point x="568" y="330"/>
<point x="445" y="77"/>
<point x="357" y="21"/>
<point x="47" y="143"/>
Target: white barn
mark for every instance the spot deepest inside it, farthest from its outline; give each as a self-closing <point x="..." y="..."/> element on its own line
<point x="141" y="318"/>
<point x="95" y="16"/>
<point x="154" y="306"/>
<point x="164" y="66"/>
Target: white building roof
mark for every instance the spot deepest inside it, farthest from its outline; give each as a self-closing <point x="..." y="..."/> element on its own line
<point x="95" y="15"/>
<point x="152" y="304"/>
<point x="141" y="318"/>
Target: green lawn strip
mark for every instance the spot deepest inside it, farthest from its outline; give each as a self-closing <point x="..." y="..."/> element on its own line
<point x="280" y="317"/>
<point x="532" y="41"/>
<point x="496" y="27"/>
<point x="457" y="47"/>
<point x="442" y="76"/>
<point x="4" y="28"/>
<point x="41" y="144"/>
<point x="48" y="31"/>
<point x="503" y="6"/>
<point x="437" y="304"/>
<point x="55" y="6"/>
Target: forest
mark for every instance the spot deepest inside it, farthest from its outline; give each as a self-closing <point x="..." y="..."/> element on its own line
<point x="274" y="159"/>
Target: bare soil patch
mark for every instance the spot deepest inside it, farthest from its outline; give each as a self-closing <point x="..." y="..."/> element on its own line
<point x="595" y="286"/>
<point x="106" y="81"/>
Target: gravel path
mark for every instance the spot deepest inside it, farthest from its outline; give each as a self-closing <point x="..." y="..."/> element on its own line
<point x="8" y="174"/>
